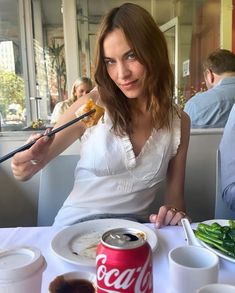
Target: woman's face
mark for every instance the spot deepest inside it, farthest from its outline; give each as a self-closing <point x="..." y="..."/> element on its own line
<point x="82" y="90"/>
<point x="122" y="66"/>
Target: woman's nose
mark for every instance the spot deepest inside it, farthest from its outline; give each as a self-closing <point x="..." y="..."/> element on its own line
<point x="123" y="70"/>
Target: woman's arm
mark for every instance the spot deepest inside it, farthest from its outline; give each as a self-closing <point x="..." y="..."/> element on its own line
<point x="45" y="149"/>
<point x="174" y="208"/>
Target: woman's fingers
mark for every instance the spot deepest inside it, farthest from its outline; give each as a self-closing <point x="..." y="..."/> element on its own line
<point x="167" y="216"/>
<point x="159" y="218"/>
<point x="26" y="163"/>
<point x="33" y="137"/>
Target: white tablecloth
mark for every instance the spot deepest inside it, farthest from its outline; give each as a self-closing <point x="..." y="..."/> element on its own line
<point x="41" y="237"/>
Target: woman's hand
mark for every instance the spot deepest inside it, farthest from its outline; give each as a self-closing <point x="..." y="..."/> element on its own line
<point x="26" y="163"/>
<point x="167" y="216"/>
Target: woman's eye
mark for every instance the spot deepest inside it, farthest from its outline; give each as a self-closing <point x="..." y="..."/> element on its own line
<point x="131" y="55"/>
<point x="109" y="61"/>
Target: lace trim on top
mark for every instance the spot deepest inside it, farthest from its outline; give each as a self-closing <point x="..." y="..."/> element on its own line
<point x="151" y="143"/>
<point x="130" y="158"/>
<point x="130" y="155"/>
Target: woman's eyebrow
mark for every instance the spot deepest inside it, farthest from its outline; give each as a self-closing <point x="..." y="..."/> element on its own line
<point x="107" y="58"/>
<point x="124" y="55"/>
<point x="127" y="53"/>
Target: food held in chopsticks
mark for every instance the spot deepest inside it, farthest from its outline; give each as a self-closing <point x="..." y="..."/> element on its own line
<point x="217" y="236"/>
<point x="93" y="119"/>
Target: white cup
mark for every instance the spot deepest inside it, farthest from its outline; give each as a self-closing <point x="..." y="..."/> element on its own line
<point x="217" y="288"/>
<point x="21" y="270"/>
<point x="192" y="267"/>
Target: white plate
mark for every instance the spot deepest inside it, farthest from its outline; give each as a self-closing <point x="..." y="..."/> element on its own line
<point x="77" y="244"/>
<point x="217" y="288"/>
<point x="216" y="251"/>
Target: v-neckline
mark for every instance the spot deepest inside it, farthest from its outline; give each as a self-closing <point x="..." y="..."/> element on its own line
<point x="131" y="157"/>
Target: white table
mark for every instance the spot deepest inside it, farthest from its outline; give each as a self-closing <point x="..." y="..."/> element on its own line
<point x="41" y="237"/>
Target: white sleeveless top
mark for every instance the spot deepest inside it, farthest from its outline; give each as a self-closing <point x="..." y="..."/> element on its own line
<point x="109" y="178"/>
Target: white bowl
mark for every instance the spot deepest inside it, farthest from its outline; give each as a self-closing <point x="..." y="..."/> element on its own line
<point x="77" y="275"/>
<point x="217" y="288"/>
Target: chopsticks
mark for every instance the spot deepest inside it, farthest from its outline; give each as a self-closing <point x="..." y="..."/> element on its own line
<point x="49" y="134"/>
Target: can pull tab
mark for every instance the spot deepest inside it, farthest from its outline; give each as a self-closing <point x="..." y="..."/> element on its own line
<point x="127" y="237"/>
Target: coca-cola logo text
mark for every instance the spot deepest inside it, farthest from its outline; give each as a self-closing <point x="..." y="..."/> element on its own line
<point x="140" y="279"/>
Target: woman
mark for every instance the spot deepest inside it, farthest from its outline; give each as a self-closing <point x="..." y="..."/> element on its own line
<point x="81" y="87"/>
<point x="142" y="138"/>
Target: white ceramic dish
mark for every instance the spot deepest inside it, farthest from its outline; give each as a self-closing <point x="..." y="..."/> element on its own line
<point x="218" y="252"/>
<point x="217" y="288"/>
<point x="77" y="244"/>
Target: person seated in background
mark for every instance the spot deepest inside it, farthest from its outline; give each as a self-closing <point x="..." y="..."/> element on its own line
<point x="141" y="139"/>
<point x="227" y="158"/>
<point x="81" y="87"/>
<point x="210" y="109"/>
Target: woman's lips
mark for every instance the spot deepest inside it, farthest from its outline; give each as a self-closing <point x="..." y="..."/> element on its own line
<point x="128" y="85"/>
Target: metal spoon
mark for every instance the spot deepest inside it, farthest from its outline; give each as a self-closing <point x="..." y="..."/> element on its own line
<point x="189" y="234"/>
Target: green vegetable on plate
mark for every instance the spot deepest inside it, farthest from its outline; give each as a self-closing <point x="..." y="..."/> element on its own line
<point x="217" y="236"/>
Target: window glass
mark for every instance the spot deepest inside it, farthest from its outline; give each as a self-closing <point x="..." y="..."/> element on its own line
<point x="50" y="67"/>
<point x="32" y="80"/>
<point x="12" y="87"/>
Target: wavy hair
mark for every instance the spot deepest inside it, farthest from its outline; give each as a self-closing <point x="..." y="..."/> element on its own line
<point x="149" y="45"/>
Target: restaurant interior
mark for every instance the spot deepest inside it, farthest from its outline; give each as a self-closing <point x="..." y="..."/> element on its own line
<point x="44" y="46"/>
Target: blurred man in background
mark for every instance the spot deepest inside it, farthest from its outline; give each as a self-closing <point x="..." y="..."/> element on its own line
<point x="210" y="109"/>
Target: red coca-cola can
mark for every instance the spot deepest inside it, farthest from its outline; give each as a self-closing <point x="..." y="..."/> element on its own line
<point x="124" y="262"/>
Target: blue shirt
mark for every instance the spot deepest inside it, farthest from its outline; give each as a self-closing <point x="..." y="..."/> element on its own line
<point x="227" y="155"/>
<point x="210" y="109"/>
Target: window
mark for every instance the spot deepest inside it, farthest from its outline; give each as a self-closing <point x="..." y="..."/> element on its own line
<point x="12" y="85"/>
<point x="30" y="84"/>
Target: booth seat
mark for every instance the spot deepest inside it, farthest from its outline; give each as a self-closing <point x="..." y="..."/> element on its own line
<point x="56" y="181"/>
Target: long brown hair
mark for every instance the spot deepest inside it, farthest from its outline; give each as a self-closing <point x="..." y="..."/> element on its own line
<point x="149" y="45"/>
